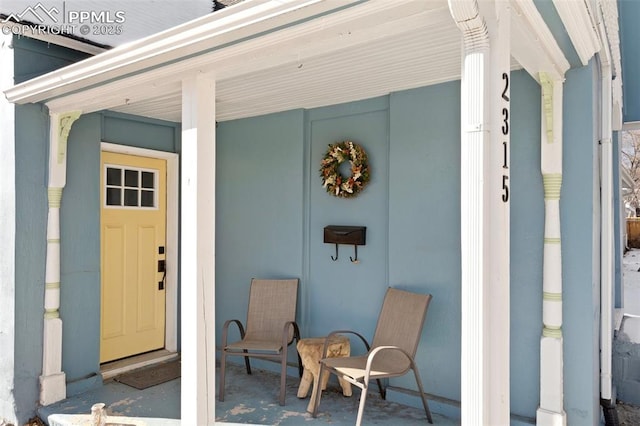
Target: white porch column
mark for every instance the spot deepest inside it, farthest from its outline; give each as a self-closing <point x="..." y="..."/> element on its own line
<point x="607" y="252"/>
<point x="551" y="410"/>
<point x="485" y="195"/>
<point x="198" y="251"/>
<point x="53" y="385"/>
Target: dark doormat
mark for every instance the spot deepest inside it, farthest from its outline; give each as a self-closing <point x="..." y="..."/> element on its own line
<point x="151" y="376"/>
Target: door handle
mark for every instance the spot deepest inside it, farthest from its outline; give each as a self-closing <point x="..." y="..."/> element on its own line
<point x="162" y="267"/>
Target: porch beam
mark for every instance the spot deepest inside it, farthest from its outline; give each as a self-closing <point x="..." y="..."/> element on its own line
<point x="533" y="44"/>
<point x="53" y="386"/>
<point x="485" y="186"/>
<point x="551" y="409"/>
<point x="198" y="250"/>
<point x="577" y="18"/>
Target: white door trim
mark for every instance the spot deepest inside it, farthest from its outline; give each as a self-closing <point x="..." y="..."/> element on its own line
<point x="173" y="173"/>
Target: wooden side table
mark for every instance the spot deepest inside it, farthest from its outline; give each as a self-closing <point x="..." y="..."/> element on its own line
<point x="310" y="351"/>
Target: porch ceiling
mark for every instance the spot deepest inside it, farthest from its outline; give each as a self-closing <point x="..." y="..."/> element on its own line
<point x="387" y="51"/>
<point x="312" y="56"/>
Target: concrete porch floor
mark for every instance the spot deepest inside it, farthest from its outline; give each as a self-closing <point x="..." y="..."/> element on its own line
<point x="249" y="400"/>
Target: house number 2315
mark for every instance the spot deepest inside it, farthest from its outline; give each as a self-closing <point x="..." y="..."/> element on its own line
<point x="505" y="142"/>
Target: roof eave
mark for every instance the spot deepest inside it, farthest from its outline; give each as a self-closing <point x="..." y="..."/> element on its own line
<point x="228" y="26"/>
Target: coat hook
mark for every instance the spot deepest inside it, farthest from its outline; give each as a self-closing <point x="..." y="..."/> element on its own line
<point x="335" y="258"/>
<point x="356" y="259"/>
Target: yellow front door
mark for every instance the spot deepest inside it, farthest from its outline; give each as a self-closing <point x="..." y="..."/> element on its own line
<point x="133" y="222"/>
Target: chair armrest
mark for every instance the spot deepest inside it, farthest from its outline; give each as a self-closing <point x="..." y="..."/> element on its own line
<point x="379" y="349"/>
<point x="225" y="330"/>
<point x="333" y="333"/>
<point x="285" y="333"/>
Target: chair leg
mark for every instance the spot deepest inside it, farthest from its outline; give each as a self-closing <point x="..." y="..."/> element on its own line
<point x="383" y="391"/>
<point x="283" y="375"/>
<point x="247" y="364"/>
<point x="424" y="399"/>
<point x="363" y="398"/>
<point x="223" y="362"/>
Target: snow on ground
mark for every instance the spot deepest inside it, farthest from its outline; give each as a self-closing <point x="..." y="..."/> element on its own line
<point x="631" y="293"/>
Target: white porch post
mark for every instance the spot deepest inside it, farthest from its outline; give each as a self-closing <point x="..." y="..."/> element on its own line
<point x="198" y="245"/>
<point x="485" y="195"/>
<point x="53" y="385"/>
<point x="551" y="410"/>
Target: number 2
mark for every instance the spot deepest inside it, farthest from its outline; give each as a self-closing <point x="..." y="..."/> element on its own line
<point x="505" y="77"/>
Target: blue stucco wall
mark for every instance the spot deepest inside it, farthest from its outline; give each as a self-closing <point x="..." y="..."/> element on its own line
<point x="80" y="228"/>
<point x="527" y="234"/>
<point x="578" y="213"/>
<point x="628" y="12"/>
<point x="80" y="219"/>
<point x="412" y="212"/>
<point x="34" y="58"/>
<point x="31" y="206"/>
<point x="335" y="288"/>
<point x="619" y="223"/>
<point x="424" y="223"/>
<point x="31" y="58"/>
<point x="80" y="256"/>
<point x="259" y="206"/>
<point x="271" y="210"/>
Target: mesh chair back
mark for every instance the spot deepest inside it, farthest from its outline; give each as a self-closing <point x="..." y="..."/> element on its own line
<point x="400" y="324"/>
<point x="271" y="304"/>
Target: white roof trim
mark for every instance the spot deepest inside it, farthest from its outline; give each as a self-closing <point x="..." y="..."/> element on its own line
<point x="533" y="44"/>
<point x="351" y="28"/>
<point x="611" y="37"/>
<point x="244" y="20"/>
<point x="578" y="19"/>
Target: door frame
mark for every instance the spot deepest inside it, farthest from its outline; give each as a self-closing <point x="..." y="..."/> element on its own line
<point x="172" y="237"/>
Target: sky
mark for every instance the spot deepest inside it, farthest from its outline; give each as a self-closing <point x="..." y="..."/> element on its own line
<point x="109" y="22"/>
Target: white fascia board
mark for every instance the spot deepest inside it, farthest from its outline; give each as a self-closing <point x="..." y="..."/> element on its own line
<point x="533" y="44"/>
<point x="227" y="26"/>
<point x="610" y="38"/>
<point x="297" y="43"/>
<point x="578" y="20"/>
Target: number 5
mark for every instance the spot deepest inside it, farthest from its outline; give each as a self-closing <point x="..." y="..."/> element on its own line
<point x="505" y="188"/>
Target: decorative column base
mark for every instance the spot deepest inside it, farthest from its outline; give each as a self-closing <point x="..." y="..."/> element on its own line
<point x="550" y="418"/>
<point x="551" y="410"/>
<point x="53" y="388"/>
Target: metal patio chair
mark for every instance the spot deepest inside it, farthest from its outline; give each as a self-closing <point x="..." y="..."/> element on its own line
<point x="393" y="350"/>
<point x="271" y="328"/>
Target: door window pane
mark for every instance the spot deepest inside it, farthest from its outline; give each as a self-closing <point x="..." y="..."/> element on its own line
<point x="146" y="199"/>
<point x="130" y="187"/>
<point x="113" y="197"/>
<point x="131" y="178"/>
<point x="131" y="197"/>
<point x="114" y="176"/>
<point x="148" y="179"/>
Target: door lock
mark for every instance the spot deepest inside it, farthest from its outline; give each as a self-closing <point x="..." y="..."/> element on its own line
<point x="162" y="267"/>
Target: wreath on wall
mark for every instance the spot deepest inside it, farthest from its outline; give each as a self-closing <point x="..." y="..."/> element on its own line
<point x="336" y="184"/>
